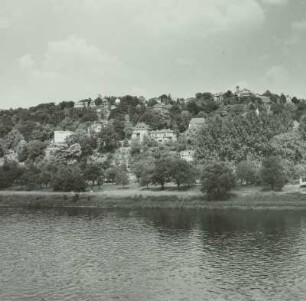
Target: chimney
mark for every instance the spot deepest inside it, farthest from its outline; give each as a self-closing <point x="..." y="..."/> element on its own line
<point x="237" y="89"/>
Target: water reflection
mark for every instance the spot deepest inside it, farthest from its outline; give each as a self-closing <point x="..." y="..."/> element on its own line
<point x="90" y="254"/>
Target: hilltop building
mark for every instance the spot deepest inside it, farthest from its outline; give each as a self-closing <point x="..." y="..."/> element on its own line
<point x="81" y="104"/>
<point x="140" y="131"/>
<point x="243" y="92"/>
<point x="187" y="155"/>
<point x="161" y="136"/>
<point x="60" y="137"/>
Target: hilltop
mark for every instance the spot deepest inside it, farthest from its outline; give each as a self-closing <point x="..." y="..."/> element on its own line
<point x="108" y="138"/>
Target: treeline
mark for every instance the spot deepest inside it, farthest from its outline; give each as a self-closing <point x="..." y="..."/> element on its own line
<point x="240" y="133"/>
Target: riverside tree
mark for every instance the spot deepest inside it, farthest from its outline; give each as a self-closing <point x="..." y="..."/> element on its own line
<point x="68" y="178"/>
<point x="272" y="173"/>
<point x="217" y="180"/>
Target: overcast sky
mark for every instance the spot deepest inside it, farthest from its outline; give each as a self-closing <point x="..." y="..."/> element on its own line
<point x="54" y="50"/>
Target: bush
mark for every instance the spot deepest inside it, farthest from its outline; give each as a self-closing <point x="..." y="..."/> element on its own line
<point x="246" y="172"/>
<point x="217" y="180"/>
<point x="68" y="178"/>
<point x="272" y="174"/>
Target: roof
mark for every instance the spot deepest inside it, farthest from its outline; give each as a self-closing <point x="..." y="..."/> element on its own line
<point x="163" y="131"/>
<point x="197" y="121"/>
<point x="141" y="126"/>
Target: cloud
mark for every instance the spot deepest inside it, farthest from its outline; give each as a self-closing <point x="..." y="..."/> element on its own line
<point x="26" y="62"/>
<point x="185" y="61"/>
<point x="4" y="23"/>
<point x="202" y="17"/>
<point x="192" y="17"/>
<point x="299" y="26"/>
<point x="298" y="32"/>
<point x="70" y="68"/>
<point x="275" y="2"/>
<point x="73" y="57"/>
<point x="276" y="76"/>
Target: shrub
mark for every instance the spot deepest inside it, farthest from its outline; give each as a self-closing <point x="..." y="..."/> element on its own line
<point x="68" y="178"/>
<point x="272" y="173"/>
<point x="217" y="180"/>
<point x="246" y="172"/>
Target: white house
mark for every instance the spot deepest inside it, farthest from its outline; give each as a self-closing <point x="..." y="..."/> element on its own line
<point x="140" y="131"/>
<point x="60" y="137"/>
<point x="187" y="155"/>
<point x="162" y="136"/>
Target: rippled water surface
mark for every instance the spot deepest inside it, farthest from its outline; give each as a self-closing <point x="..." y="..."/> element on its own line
<point x="152" y="255"/>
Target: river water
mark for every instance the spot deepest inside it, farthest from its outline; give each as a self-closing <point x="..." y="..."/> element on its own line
<point x="152" y="255"/>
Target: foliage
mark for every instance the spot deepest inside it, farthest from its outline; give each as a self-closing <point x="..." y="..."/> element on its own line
<point x="10" y="172"/>
<point x="94" y="173"/>
<point x="246" y="172"/>
<point x="22" y="151"/>
<point x="182" y="172"/>
<point x="217" y="180"/>
<point x="161" y="172"/>
<point x="272" y="173"/>
<point x="30" y="177"/>
<point x="235" y="138"/>
<point x="36" y="150"/>
<point x="290" y="146"/>
<point x="122" y="176"/>
<point x="108" y="139"/>
<point x="13" y="138"/>
<point x="68" y="178"/>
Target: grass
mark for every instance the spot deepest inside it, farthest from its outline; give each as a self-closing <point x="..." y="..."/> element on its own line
<point x="133" y="196"/>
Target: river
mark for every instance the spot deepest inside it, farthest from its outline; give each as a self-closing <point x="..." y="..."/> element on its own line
<point x="82" y="254"/>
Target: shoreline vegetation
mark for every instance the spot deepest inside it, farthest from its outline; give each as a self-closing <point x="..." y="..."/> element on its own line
<point x="133" y="197"/>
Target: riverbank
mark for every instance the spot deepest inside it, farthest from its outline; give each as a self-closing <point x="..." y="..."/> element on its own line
<point x="135" y="197"/>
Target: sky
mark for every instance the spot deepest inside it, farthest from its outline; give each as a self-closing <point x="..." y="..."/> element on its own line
<point x="55" y="50"/>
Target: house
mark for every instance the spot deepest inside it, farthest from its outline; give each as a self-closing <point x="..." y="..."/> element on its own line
<point x="60" y="137"/>
<point x="243" y="93"/>
<point x="140" y="131"/>
<point x="196" y="123"/>
<point x="81" y="104"/>
<point x="187" y="155"/>
<point x="218" y="97"/>
<point x="163" y="136"/>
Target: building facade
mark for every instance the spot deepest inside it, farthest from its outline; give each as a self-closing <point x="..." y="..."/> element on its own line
<point x="60" y="137"/>
<point x="140" y="131"/>
<point x="162" y="136"/>
<point x="187" y="155"/>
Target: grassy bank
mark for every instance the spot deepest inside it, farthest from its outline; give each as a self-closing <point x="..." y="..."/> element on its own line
<point x="135" y="197"/>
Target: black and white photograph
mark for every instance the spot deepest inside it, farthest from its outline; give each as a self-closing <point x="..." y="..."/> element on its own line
<point x="152" y="150"/>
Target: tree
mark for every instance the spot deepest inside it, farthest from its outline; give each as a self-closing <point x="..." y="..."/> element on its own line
<point x="11" y="171"/>
<point x="272" y="173"/>
<point x="47" y="169"/>
<point x="108" y="139"/>
<point x="182" y="172"/>
<point x="302" y="127"/>
<point x="68" y="178"/>
<point x="143" y="167"/>
<point x="94" y="173"/>
<point x="22" y="151"/>
<point x="111" y="173"/>
<point x="217" y="180"/>
<point x="122" y="177"/>
<point x="246" y="172"/>
<point x="30" y="177"/>
<point x="13" y="138"/>
<point x="162" y="172"/>
<point x="36" y="150"/>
